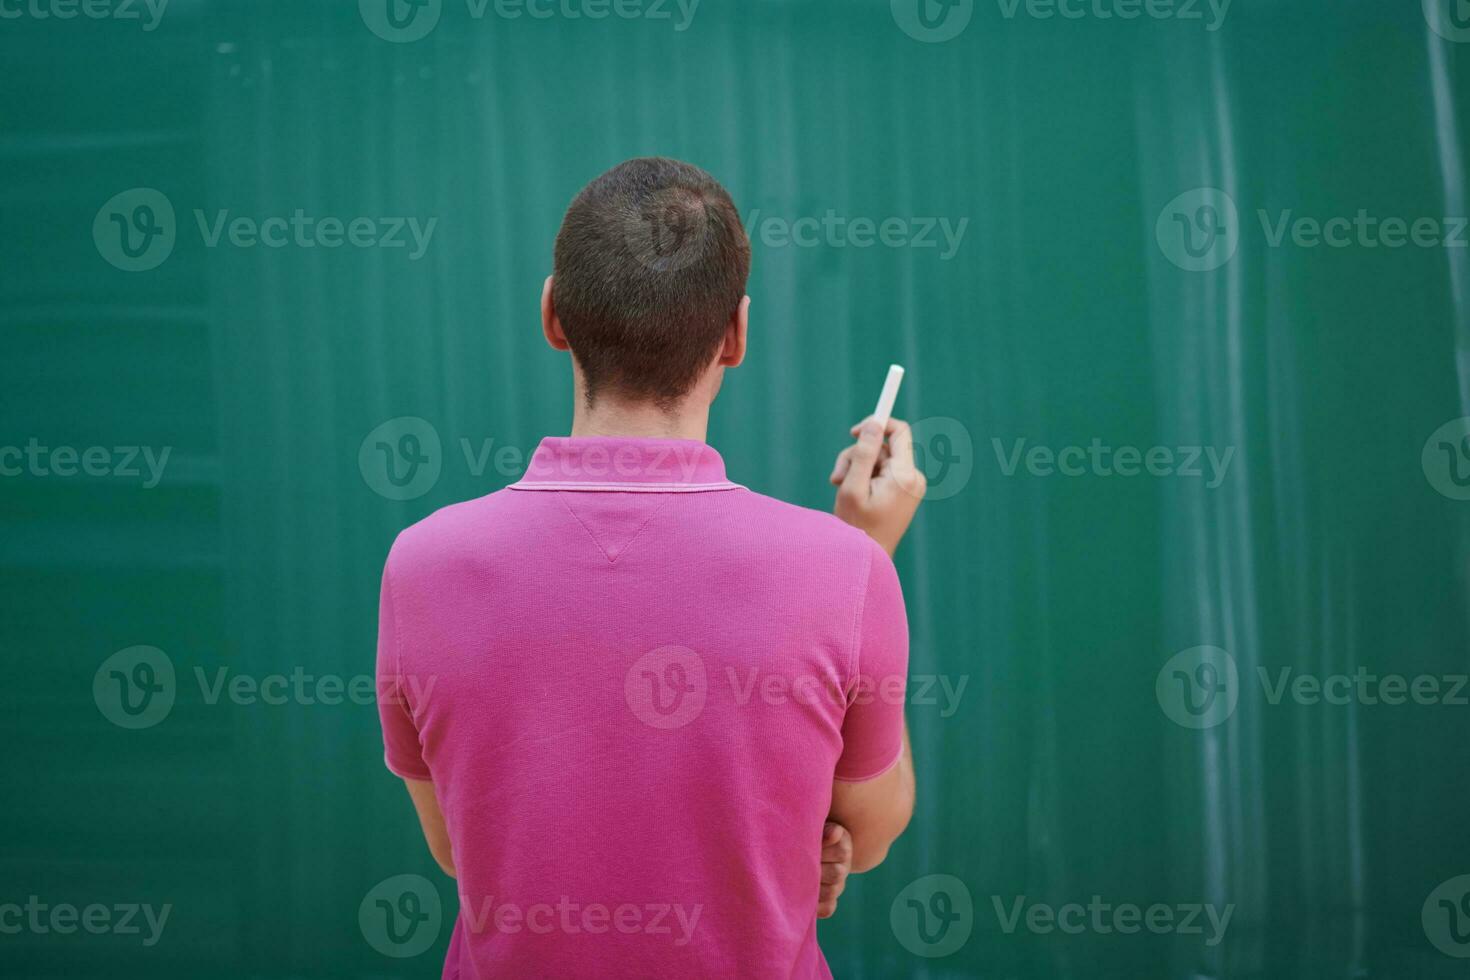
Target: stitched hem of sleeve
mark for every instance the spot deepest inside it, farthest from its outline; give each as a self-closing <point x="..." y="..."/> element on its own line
<point x="874" y="775"/>
<point x="854" y="643"/>
<point x="405" y="772"/>
<point x="397" y="635"/>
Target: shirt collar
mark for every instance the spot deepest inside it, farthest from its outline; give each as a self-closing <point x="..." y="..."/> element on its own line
<point x="624" y="464"/>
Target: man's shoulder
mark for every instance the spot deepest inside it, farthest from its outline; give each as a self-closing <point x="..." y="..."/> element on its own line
<point x="804" y="527"/>
<point x="450" y="529"/>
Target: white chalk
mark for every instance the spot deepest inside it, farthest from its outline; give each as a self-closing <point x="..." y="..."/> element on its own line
<point x="889" y="395"/>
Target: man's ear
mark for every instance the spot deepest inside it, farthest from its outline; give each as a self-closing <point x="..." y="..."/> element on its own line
<point x="550" y="325"/>
<point x="734" y="350"/>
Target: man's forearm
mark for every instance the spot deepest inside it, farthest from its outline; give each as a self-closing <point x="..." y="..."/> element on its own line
<point x="876" y="812"/>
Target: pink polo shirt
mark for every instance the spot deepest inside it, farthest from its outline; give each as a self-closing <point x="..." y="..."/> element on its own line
<point x="632" y="683"/>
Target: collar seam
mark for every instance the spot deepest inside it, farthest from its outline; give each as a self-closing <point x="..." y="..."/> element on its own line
<point x="617" y="486"/>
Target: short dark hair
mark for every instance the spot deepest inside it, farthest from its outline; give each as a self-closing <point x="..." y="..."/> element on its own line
<point x="651" y="263"/>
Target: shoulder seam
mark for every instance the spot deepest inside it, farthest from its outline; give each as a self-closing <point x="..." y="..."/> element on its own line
<point x="857" y="619"/>
<point x="397" y="633"/>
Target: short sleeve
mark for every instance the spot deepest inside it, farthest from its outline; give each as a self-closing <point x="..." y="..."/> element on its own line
<point x="402" y="751"/>
<point x="872" y="728"/>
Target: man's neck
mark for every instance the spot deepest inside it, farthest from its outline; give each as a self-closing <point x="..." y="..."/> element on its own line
<point x="610" y="417"/>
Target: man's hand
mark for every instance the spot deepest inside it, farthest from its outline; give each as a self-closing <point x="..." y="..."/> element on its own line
<point x="836" y="865"/>
<point x="878" y="486"/>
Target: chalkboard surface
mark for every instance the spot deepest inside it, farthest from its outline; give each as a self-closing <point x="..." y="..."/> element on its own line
<point x="1183" y="293"/>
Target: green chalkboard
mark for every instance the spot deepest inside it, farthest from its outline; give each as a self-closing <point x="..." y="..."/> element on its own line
<point x="1184" y="298"/>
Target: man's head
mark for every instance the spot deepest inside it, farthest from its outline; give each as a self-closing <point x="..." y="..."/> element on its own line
<point x="648" y="289"/>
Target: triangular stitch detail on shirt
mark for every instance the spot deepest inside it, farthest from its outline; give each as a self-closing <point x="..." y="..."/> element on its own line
<point x="612" y="525"/>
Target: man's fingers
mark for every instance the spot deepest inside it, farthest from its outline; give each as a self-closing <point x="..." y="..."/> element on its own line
<point x="836" y="863"/>
<point x="844" y="461"/>
<point x="836" y="844"/>
<point x="853" y="431"/>
<point x="898" y="463"/>
<point x="827" y="897"/>
<point x="839" y="852"/>
<point x="864" y="455"/>
<point x="901" y="444"/>
<point x="839" y="471"/>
